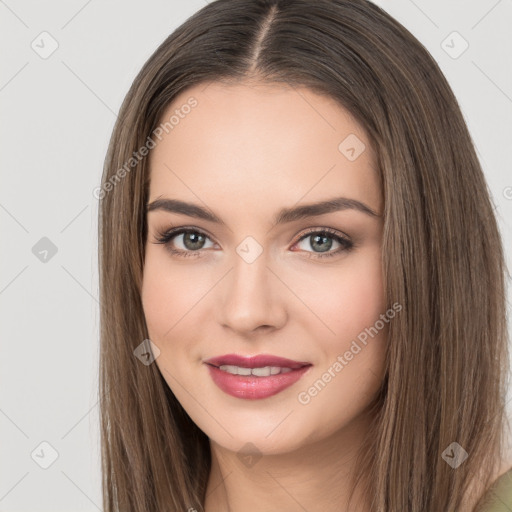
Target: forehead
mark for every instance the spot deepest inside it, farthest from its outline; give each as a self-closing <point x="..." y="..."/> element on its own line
<point x="278" y="142"/>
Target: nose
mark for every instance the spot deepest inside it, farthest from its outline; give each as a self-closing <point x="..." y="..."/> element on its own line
<point x="252" y="298"/>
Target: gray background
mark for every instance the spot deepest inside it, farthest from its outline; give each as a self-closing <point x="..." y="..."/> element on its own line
<point x="57" y="116"/>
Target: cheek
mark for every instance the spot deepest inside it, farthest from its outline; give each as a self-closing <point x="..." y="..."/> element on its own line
<point x="164" y="295"/>
<point x="154" y="296"/>
<point x="363" y="298"/>
<point x="351" y="297"/>
<point x="351" y="366"/>
<point x="168" y="292"/>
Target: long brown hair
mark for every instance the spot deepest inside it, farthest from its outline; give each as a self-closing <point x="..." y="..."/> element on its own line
<point x="442" y="257"/>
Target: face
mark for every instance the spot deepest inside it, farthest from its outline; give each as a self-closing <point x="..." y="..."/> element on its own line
<point x="257" y="274"/>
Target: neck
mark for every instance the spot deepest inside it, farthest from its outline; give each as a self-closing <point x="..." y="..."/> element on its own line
<point x="313" y="477"/>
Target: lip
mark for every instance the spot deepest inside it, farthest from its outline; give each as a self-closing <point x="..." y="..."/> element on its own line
<point x="252" y="387"/>
<point x="255" y="361"/>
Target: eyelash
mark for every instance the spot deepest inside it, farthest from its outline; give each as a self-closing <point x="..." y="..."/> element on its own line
<point x="165" y="237"/>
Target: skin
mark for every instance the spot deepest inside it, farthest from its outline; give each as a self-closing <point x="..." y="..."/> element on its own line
<point x="244" y="152"/>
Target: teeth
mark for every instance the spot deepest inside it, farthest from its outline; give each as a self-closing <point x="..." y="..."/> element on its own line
<point x="257" y="372"/>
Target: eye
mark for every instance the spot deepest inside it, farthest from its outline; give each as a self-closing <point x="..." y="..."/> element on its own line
<point x="190" y="241"/>
<point x="322" y="241"/>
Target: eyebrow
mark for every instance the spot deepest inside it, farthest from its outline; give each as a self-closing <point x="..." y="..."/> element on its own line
<point x="285" y="215"/>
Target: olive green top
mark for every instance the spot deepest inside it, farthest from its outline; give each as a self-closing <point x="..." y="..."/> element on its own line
<point x="499" y="496"/>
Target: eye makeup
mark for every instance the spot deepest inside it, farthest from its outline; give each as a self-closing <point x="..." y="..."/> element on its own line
<point x="193" y="235"/>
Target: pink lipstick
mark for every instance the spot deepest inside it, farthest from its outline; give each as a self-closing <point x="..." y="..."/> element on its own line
<point x="254" y="377"/>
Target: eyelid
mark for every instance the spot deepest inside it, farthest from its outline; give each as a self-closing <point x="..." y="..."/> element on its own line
<point x="330" y="231"/>
<point x="345" y="242"/>
<point x="165" y="236"/>
<point x="174" y="231"/>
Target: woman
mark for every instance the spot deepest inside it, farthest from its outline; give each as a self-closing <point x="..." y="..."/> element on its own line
<point x="295" y="229"/>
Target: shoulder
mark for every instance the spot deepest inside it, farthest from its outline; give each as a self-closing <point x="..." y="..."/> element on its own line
<point x="498" y="497"/>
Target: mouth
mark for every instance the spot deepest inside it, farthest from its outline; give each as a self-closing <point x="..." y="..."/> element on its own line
<point x="255" y="377"/>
